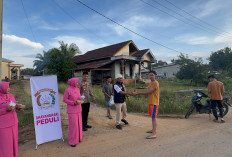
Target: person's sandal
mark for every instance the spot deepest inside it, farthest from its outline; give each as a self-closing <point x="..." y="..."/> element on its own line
<point x="151" y="137"/>
<point x="223" y="121"/>
<point x="150" y="131"/>
<point x="215" y="120"/>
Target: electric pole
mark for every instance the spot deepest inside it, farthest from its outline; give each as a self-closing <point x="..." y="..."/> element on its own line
<point x="1" y="21"/>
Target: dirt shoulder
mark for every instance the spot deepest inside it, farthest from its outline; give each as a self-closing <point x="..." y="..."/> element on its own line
<point x="177" y="137"/>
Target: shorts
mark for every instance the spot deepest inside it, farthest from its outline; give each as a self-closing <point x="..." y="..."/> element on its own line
<point x="153" y="110"/>
<point x="108" y="104"/>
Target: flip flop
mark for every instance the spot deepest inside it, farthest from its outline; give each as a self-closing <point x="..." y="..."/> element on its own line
<point x="150" y="131"/>
<point x="223" y="121"/>
<point x="150" y="137"/>
<point x="215" y="120"/>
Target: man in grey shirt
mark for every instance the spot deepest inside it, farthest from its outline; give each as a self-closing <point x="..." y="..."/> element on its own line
<point x="108" y="92"/>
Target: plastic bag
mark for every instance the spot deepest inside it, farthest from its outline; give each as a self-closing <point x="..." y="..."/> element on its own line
<point x="112" y="100"/>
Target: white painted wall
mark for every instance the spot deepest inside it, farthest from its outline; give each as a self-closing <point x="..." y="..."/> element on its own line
<point x="169" y="70"/>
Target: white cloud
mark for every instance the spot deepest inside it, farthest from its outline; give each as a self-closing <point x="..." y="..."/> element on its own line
<point x="47" y="27"/>
<point x="207" y="8"/>
<point x="16" y="48"/>
<point x="203" y="55"/>
<point x="140" y="22"/>
<point x="83" y="44"/>
<point x="193" y="39"/>
<point x="23" y="41"/>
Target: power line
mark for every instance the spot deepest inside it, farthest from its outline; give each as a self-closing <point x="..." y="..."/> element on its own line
<point x="176" y="17"/>
<point x="28" y="20"/>
<point x="75" y="19"/>
<point x="126" y="27"/>
<point x="214" y="30"/>
<point x="194" y="16"/>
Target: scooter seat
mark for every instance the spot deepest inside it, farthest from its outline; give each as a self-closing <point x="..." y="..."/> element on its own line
<point x="226" y="98"/>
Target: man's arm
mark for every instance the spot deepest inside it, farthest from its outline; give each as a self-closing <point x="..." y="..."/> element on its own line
<point x="209" y="88"/>
<point x="146" y="93"/>
<point x="91" y="94"/>
<point x="104" y="91"/>
<point x="222" y="89"/>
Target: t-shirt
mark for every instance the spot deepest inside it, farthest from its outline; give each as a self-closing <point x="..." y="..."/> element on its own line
<point x="153" y="98"/>
<point x="216" y="89"/>
<point x="107" y="87"/>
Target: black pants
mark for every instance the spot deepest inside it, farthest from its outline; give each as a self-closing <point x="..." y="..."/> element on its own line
<point x="85" y="113"/>
<point x="214" y="104"/>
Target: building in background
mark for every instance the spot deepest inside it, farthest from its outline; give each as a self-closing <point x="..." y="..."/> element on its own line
<point x="167" y="71"/>
<point x="10" y="70"/>
<point x="123" y="58"/>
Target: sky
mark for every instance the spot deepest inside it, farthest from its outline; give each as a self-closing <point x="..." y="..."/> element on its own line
<point x="195" y="28"/>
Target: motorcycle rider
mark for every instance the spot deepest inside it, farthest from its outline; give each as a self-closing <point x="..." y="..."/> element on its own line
<point x="216" y="89"/>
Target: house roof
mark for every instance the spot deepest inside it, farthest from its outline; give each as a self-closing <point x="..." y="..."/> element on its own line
<point x="140" y="53"/>
<point x="103" y="52"/>
<point x="93" y="65"/>
<point x="7" y="60"/>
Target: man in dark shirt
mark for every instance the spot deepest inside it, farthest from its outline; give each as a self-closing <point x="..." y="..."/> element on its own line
<point x="108" y="92"/>
<point x="120" y="95"/>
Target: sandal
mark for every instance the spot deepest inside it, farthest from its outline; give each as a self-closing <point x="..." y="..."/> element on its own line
<point x="223" y="121"/>
<point x="215" y="120"/>
<point x="151" y="137"/>
<point x="149" y="131"/>
<point x="109" y="117"/>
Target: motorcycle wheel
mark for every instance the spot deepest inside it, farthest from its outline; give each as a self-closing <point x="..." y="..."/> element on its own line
<point x="225" y="109"/>
<point x="190" y="111"/>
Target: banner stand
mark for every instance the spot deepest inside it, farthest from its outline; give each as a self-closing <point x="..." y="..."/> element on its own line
<point x="36" y="146"/>
<point x="46" y="109"/>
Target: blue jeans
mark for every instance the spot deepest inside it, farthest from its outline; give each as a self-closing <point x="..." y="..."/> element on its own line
<point x="108" y="104"/>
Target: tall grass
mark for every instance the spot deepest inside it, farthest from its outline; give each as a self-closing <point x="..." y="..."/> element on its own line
<point x="171" y="101"/>
<point x="25" y="116"/>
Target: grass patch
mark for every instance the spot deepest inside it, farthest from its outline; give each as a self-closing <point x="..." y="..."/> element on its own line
<point x="171" y="101"/>
<point x="62" y="87"/>
<point x="25" y="116"/>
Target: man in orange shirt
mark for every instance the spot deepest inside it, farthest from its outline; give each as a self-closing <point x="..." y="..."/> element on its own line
<point x="153" y="102"/>
<point x="216" y="89"/>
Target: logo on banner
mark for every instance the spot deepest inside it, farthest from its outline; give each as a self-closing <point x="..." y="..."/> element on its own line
<point x="45" y="98"/>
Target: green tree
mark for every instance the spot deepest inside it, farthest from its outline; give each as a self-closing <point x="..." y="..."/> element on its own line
<point x="59" y="60"/>
<point x="28" y="70"/>
<point x="192" y="70"/>
<point x="221" y="60"/>
<point x="40" y="63"/>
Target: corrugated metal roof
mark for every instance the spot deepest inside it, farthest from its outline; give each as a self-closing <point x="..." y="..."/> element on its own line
<point x="103" y="52"/>
<point x="93" y="65"/>
<point x="6" y="60"/>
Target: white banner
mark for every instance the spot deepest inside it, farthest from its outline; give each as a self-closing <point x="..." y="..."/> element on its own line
<point x="46" y="108"/>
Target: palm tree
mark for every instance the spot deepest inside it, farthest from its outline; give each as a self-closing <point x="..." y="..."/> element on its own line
<point x="57" y="61"/>
<point x="41" y="62"/>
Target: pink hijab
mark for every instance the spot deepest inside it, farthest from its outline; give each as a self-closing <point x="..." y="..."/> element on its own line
<point x="73" y="82"/>
<point x="4" y="96"/>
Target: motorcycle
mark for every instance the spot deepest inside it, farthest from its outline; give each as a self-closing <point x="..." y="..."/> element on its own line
<point x="207" y="107"/>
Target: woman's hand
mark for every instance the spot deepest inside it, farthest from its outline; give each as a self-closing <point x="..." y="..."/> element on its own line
<point x="79" y="102"/>
<point x="20" y="106"/>
<point x="10" y="108"/>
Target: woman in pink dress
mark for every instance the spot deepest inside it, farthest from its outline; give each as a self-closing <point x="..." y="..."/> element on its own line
<point x="72" y="98"/>
<point x="8" y="122"/>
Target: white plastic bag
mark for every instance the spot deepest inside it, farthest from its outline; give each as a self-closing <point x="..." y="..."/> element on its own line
<point x="12" y="104"/>
<point x="112" y="100"/>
